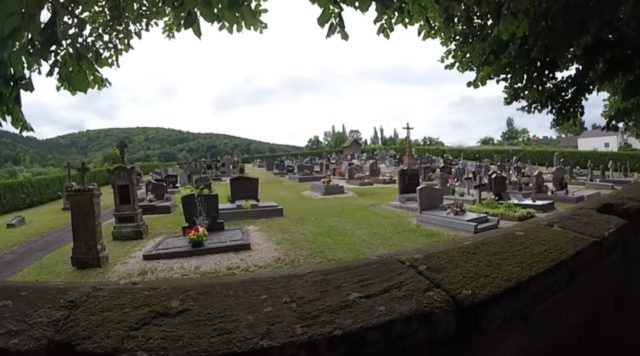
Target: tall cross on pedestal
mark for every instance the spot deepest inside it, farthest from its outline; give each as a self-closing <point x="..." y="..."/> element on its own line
<point x="68" y="167"/>
<point x="408" y="128"/>
<point x="83" y="170"/>
<point x="122" y="147"/>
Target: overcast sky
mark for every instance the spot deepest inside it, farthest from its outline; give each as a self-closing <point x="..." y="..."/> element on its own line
<point x="286" y="85"/>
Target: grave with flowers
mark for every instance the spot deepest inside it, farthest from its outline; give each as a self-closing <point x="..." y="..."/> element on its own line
<point x="203" y="233"/>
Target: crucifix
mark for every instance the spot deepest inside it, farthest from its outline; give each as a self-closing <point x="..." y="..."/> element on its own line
<point x="83" y="170"/>
<point x="122" y="146"/>
<point x="68" y="167"/>
<point x="408" y="131"/>
<point x="409" y="159"/>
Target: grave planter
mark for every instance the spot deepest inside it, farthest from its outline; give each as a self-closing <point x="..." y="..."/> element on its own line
<point x="196" y="244"/>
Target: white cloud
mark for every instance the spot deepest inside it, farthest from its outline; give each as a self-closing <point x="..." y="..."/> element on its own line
<point x="285" y="86"/>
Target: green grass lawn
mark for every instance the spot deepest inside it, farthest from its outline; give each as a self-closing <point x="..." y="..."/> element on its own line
<point x="313" y="231"/>
<point x="41" y="221"/>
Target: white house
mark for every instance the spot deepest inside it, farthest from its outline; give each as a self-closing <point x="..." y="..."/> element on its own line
<point x="598" y="140"/>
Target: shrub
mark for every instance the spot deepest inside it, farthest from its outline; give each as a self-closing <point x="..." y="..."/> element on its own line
<point x="506" y="210"/>
<point x="24" y="193"/>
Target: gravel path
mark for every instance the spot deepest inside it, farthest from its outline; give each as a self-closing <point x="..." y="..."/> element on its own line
<point x="135" y="269"/>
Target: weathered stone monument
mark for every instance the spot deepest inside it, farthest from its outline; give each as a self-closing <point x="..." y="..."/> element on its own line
<point x="129" y="224"/>
<point x="66" y="188"/>
<point x="88" y="250"/>
<point x="16" y="222"/>
<point x="409" y="158"/>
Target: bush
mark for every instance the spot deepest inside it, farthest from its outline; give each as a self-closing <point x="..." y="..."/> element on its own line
<point x="25" y="193"/>
<point x="506" y="210"/>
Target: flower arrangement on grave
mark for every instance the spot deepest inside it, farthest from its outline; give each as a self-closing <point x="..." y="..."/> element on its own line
<point x="196" y="235"/>
<point x="360" y="176"/>
<point x="246" y="204"/>
<point x="326" y="180"/>
<point x="457" y="208"/>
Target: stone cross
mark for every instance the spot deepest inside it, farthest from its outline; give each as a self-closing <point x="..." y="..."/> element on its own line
<point x="83" y="170"/>
<point x="122" y="147"/>
<point x="408" y="128"/>
<point x="68" y="167"/>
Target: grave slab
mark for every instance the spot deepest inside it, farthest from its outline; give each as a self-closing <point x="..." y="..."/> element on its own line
<point x="598" y="185"/>
<point x="305" y="179"/>
<point x="468" y="222"/>
<point x="261" y="210"/>
<point x="217" y="242"/>
<point x="157" y="208"/>
<point x="359" y="182"/>
<point x="327" y="189"/>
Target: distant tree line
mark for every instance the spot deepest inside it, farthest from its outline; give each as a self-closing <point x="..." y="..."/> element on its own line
<point x="22" y="156"/>
<point x="334" y="139"/>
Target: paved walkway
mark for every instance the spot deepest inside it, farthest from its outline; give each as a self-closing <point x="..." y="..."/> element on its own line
<point x="17" y="259"/>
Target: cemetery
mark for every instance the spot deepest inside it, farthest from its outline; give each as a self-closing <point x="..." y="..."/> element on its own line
<point x="220" y="207"/>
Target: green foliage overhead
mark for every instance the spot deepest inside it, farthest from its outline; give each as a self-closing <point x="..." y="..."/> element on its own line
<point x="145" y="145"/>
<point x="550" y="55"/>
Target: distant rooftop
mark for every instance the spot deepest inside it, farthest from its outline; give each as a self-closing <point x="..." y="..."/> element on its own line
<point x="597" y="133"/>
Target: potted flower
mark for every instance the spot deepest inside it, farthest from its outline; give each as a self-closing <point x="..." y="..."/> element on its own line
<point x="196" y="235"/>
<point x="326" y="180"/>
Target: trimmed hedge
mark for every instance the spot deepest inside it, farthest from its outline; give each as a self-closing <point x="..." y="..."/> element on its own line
<point x="538" y="156"/>
<point x="25" y="193"/>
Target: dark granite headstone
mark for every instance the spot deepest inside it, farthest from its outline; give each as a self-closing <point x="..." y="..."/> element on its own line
<point x="171" y="180"/>
<point x="157" y="189"/>
<point x="374" y="169"/>
<point x="244" y="188"/>
<point x="408" y="180"/>
<point x="498" y="185"/>
<point x="558" y="180"/>
<point x="269" y="166"/>
<point x="201" y="209"/>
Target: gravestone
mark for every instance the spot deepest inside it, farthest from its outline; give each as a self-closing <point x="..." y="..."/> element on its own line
<point x="202" y="209"/>
<point x="66" y="188"/>
<point x="88" y="250"/>
<point x="16" y="221"/>
<point x="157" y="189"/>
<point x="556" y="159"/>
<point x="429" y="198"/>
<point x="408" y="181"/>
<point x="129" y="224"/>
<point x="304" y="169"/>
<point x="444" y="180"/>
<point x="538" y="182"/>
<point x="589" y="171"/>
<point x="172" y="180"/>
<point x="269" y="166"/>
<point x="202" y="183"/>
<point x="374" y="169"/>
<point x="558" y="180"/>
<point x="602" y="172"/>
<point x="498" y="185"/>
<point x="244" y="188"/>
<point x="279" y="166"/>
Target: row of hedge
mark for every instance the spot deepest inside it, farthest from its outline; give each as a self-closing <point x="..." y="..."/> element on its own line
<point x="25" y="193"/>
<point x="538" y="156"/>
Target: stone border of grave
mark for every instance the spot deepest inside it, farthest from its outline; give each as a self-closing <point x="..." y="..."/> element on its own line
<point x="568" y="281"/>
<point x="313" y="195"/>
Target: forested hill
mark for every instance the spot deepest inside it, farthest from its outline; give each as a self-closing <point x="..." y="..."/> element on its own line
<point x="146" y="144"/>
